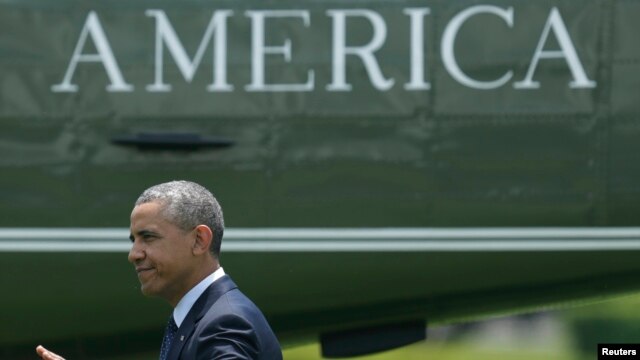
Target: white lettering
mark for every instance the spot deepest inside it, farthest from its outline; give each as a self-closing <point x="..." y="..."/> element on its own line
<point x="165" y="34"/>
<point x="448" y="44"/>
<point x="417" y="49"/>
<point x="567" y="51"/>
<point x="104" y="55"/>
<point x="259" y="50"/>
<point x="365" y="52"/>
<point x="618" y="352"/>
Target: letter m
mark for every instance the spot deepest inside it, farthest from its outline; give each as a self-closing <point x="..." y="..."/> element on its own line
<point x="166" y="35"/>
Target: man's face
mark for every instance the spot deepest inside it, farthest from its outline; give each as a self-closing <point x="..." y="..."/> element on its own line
<point x="161" y="253"/>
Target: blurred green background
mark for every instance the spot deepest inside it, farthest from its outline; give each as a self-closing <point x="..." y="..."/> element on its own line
<point x="563" y="334"/>
<point x="570" y="333"/>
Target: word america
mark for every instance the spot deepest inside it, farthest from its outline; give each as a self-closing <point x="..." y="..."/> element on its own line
<point x="215" y="35"/>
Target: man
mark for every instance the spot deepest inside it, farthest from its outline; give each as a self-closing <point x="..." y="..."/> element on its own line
<point x="176" y="232"/>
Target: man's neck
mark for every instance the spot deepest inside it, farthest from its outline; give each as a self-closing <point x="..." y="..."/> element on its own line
<point x="186" y="303"/>
<point x="197" y="277"/>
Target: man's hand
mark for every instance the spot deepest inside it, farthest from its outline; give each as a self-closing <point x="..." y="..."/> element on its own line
<point x="46" y="354"/>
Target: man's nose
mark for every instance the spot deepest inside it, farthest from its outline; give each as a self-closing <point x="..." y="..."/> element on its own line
<point x="136" y="253"/>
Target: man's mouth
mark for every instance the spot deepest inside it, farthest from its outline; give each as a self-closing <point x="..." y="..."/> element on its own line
<point x="140" y="270"/>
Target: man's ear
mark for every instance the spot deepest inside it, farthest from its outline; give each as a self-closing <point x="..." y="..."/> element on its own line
<point x="204" y="237"/>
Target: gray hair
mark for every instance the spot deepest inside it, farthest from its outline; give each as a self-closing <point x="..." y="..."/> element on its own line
<point x="187" y="205"/>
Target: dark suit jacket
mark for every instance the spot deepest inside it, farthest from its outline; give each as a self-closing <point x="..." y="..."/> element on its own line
<point x="224" y="324"/>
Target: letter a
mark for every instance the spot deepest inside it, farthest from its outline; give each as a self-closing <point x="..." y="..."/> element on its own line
<point x="105" y="56"/>
<point x="567" y="51"/>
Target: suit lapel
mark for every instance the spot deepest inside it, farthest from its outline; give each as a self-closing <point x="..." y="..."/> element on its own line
<point x="199" y="309"/>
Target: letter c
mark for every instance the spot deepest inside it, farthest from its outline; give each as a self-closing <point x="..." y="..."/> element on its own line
<point x="448" y="44"/>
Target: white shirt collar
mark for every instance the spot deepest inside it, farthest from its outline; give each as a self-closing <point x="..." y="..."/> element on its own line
<point x="187" y="301"/>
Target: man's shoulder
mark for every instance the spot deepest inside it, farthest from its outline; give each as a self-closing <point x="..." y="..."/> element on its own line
<point x="232" y="320"/>
<point x="234" y="303"/>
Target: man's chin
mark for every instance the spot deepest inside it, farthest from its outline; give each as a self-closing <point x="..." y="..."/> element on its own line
<point x="148" y="290"/>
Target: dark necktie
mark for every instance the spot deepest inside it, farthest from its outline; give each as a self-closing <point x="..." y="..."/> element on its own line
<point x="167" y="340"/>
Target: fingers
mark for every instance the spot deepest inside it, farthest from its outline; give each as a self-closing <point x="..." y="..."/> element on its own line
<point x="46" y="354"/>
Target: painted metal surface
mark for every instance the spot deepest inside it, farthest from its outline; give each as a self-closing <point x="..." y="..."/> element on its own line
<point x="449" y="155"/>
<point x="316" y="280"/>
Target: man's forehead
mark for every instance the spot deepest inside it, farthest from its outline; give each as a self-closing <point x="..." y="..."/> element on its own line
<point x="151" y="215"/>
<point x="147" y="214"/>
<point x="143" y="223"/>
<point x="148" y="208"/>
